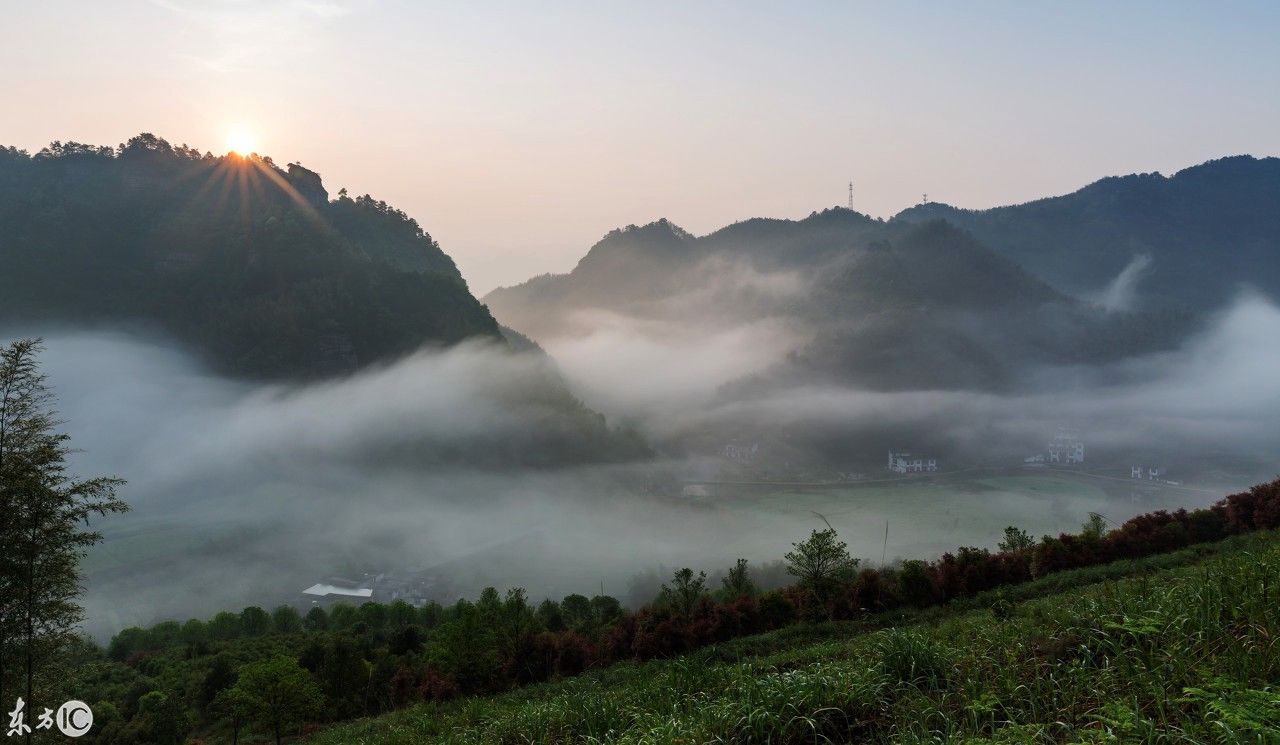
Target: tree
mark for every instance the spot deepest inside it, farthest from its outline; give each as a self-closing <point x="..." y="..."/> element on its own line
<point x="378" y="695"/>
<point x="576" y="610"/>
<point x="405" y="641"/>
<point x="400" y="615"/>
<point x="225" y="625"/>
<point x="430" y="615"/>
<point x="549" y="615"/>
<point x="466" y="648"/>
<point x="220" y="677"/>
<point x="1094" y="528"/>
<point x="194" y="634"/>
<point x="737" y="583"/>
<point x="342" y="616"/>
<point x="516" y="627"/>
<point x="685" y="591"/>
<point x="128" y="641"/>
<point x="915" y="585"/>
<point x="821" y="564"/>
<point x="286" y="620"/>
<point x="516" y="619"/>
<point x="374" y="615"/>
<point x="605" y="609"/>
<point x="1016" y="540"/>
<point x="44" y="517"/>
<point x="233" y="704"/>
<point x="254" y="621"/>
<point x="165" y="718"/>
<point x="344" y="675"/>
<point x="316" y="619"/>
<point x="489" y="603"/>
<point x="279" y="693"/>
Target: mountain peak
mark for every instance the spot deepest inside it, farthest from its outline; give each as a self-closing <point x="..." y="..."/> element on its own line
<point x="659" y="240"/>
<point x="1232" y="167"/>
<point x="926" y="211"/>
<point x="660" y="227"/>
<point x="839" y="214"/>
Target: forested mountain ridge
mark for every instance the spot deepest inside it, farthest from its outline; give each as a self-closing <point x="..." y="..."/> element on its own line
<point x="247" y="262"/>
<point x="1199" y="235"/>
<point x="890" y="305"/>
<point x="254" y="268"/>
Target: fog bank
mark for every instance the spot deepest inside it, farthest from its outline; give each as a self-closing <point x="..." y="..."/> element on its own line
<point x="247" y="492"/>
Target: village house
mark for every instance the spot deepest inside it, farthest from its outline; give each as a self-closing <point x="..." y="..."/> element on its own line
<point x="904" y="462"/>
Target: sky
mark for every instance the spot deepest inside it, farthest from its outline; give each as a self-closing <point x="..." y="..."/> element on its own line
<point x="519" y="133"/>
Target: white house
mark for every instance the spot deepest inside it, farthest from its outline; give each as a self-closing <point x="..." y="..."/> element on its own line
<point x="1150" y="473"/>
<point x="1065" y="447"/>
<point x="904" y="462"/>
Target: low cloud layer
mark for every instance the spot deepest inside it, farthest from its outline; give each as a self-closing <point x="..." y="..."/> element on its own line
<point x="1220" y="392"/>
<point x="247" y="493"/>
<point x="649" y="370"/>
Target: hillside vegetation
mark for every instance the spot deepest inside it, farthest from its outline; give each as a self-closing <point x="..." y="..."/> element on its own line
<point x="1180" y="655"/>
<point x="247" y="262"/>
<point x="445" y="662"/>
<point x="252" y="267"/>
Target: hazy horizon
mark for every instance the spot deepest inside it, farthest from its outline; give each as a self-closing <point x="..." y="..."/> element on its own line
<point x="518" y="136"/>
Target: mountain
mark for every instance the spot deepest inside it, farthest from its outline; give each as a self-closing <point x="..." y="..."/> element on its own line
<point x="887" y="305"/>
<point x="1192" y="239"/>
<point x="250" y="263"/>
<point x="255" y="268"/>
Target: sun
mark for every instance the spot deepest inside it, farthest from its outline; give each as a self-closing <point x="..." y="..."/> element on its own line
<point x="241" y="141"/>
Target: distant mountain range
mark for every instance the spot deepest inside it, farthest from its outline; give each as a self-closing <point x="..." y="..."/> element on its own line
<point x="252" y="265"/>
<point x="909" y="303"/>
<point x="1199" y="236"/>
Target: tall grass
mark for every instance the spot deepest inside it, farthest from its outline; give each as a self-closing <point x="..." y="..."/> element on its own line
<point x="1184" y="655"/>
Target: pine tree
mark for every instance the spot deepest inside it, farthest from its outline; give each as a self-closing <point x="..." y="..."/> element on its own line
<point x="44" y="518"/>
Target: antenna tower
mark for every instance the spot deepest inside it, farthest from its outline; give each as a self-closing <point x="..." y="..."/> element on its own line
<point x="850" y="195"/>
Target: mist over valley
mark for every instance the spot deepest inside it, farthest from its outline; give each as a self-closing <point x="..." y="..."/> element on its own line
<point x="674" y="400"/>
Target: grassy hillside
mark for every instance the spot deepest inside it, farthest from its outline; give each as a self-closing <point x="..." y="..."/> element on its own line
<point x="1162" y="654"/>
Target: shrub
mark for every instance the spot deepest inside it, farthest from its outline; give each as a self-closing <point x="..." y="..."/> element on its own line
<point x="776" y="609"/>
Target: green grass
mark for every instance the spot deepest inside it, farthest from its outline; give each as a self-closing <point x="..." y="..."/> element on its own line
<point x="1184" y="648"/>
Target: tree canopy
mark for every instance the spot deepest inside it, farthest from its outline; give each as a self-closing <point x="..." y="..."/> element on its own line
<point x="245" y="261"/>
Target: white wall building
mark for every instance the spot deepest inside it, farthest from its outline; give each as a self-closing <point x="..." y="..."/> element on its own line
<point x="1150" y="473"/>
<point x="904" y="462"/>
<point x="1065" y="447"/>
